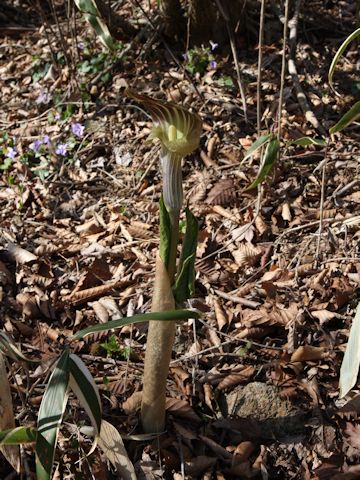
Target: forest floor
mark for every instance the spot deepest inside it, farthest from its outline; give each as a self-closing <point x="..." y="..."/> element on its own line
<point x="253" y="387"/>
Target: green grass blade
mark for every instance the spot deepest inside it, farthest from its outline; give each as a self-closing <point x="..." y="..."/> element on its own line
<point x="83" y="385"/>
<point x="144" y="317"/>
<point x="270" y="156"/>
<point x="338" y="55"/>
<point x="18" y="435"/>
<point x="263" y="140"/>
<point x="346" y="119"/>
<point x="50" y="416"/>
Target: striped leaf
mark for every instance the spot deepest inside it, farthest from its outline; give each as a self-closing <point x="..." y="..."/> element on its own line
<point x="18" y="435"/>
<point x="83" y="386"/>
<point x="8" y="348"/>
<point x="144" y="317"/>
<point x="177" y="129"/>
<point x="50" y="416"/>
<point x="92" y="15"/>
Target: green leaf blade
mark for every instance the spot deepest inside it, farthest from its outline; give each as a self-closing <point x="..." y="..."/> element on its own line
<point x="261" y="141"/>
<point x="346" y="119"/>
<point x="271" y="153"/>
<point x="184" y="284"/>
<point x="84" y="387"/>
<point x="338" y="55"/>
<point x="50" y="416"/>
<point x="18" y="436"/>
<point x="306" y="141"/>
<point x="144" y="317"/>
<point x="351" y="361"/>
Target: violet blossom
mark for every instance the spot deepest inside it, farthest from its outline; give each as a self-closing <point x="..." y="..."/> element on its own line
<point x="35" y="146"/>
<point x="213" y="65"/>
<point x="61" y="149"/>
<point x="44" y="97"/>
<point x="11" y="153"/>
<point x="77" y="129"/>
<point x="213" y="45"/>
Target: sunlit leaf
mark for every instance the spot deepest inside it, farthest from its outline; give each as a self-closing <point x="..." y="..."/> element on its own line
<point x="346" y="119"/>
<point x="263" y="140"/>
<point x="144" y="317"/>
<point x="50" y="416"/>
<point x="271" y="153"/>
<point x="18" y="436"/>
<point x="83" y="385"/>
<point x="111" y="444"/>
<point x="338" y="55"/>
<point x="351" y="361"/>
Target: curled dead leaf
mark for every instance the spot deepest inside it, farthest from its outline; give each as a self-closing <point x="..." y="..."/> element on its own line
<point x="307" y="353"/>
<point x="20" y="255"/>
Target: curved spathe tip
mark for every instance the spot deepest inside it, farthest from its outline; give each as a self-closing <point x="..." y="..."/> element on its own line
<point x="177" y="129"/>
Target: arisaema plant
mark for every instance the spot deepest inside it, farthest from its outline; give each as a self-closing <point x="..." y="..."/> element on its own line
<point x="178" y="131"/>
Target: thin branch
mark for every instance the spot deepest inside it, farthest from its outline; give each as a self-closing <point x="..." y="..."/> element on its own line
<point x="305" y="106"/>
<point x="283" y="64"/>
<point x="235" y="57"/>
<point x="258" y="85"/>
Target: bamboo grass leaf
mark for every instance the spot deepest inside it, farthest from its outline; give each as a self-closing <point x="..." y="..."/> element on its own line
<point x="92" y="15"/>
<point x="271" y="153"/>
<point x="50" y="416"/>
<point x="8" y="348"/>
<point x="338" y="55"/>
<point x="263" y="140"/>
<point x="18" y="436"/>
<point x="346" y="119"/>
<point x="83" y="385"/>
<point x="144" y="317"/>
<point x="351" y="361"/>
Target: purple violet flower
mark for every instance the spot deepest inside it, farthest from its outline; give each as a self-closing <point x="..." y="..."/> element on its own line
<point x="213" y="65"/>
<point x="81" y="45"/>
<point x="77" y="129"/>
<point x="46" y="140"/>
<point x="11" y="153"/>
<point x="185" y="57"/>
<point x="61" y="149"/>
<point x="35" y="146"/>
<point x="44" y="97"/>
<point x="213" y="45"/>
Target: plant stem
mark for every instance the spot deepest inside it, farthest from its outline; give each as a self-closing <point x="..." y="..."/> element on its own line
<point x="161" y="335"/>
